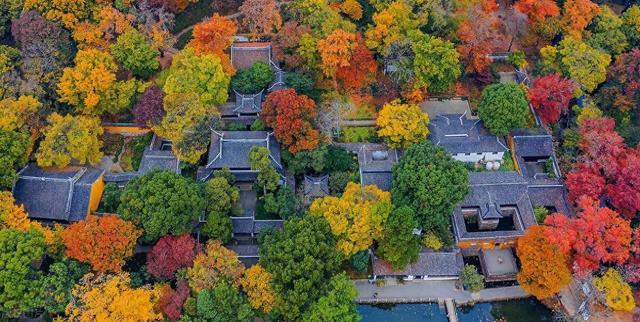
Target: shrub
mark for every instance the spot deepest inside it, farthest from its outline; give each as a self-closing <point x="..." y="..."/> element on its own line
<point x="541" y="213"/>
<point x="360" y="261"/>
<point x="471" y="279"/>
<point x="431" y="240"/>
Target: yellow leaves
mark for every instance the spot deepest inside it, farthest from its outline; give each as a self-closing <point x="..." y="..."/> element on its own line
<point x="392" y="26"/>
<point x="15" y="113"/>
<point x="103" y="33"/>
<point x="110" y="298"/>
<point x="356" y="218"/>
<point x="402" y="124"/>
<point x="335" y="51"/>
<point x="91" y="77"/>
<point x="257" y="284"/>
<point x="618" y="293"/>
<point x="216" y="264"/>
<point x="70" y="138"/>
<point x="352" y="9"/>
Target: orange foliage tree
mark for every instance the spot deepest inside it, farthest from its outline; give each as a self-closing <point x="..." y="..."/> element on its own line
<point x="544" y="268"/>
<point x="103" y="242"/>
<point x="335" y="51"/>
<point x="256" y="282"/>
<point x="291" y="116"/>
<point x="361" y="71"/>
<point x="537" y="10"/>
<point x="596" y="235"/>
<point x="214" y="36"/>
<point x="577" y="15"/>
<point x="104" y="32"/>
<point x="215" y="265"/>
<point x="479" y="35"/>
<point x="260" y="17"/>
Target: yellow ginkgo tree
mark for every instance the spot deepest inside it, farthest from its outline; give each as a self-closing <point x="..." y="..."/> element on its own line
<point x="402" y="124"/>
<point x="356" y="218"/>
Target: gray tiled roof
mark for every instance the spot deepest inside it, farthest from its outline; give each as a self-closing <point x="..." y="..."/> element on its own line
<point x="158" y="155"/>
<point x="442" y="264"/>
<point x="316" y="186"/>
<point x="248" y="225"/>
<point x="242" y="225"/>
<point x="459" y="134"/>
<point x="248" y="103"/>
<point x="540" y="145"/>
<point x="376" y="163"/>
<point x="245" y="250"/>
<point x="382" y="180"/>
<point x="435" y="107"/>
<point x="52" y="194"/>
<point x="495" y="187"/>
<point x="550" y="196"/>
<point x="230" y="149"/>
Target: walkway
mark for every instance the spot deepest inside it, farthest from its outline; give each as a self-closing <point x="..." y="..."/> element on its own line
<point x="419" y="291"/>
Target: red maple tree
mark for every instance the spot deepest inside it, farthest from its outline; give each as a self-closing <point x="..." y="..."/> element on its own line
<point x="479" y="35"/>
<point x="171" y="301"/>
<point x="585" y="180"/>
<point x="169" y="254"/>
<point x="103" y="242"/>
<point x="291" y="116"/>
<point x="550" y="96"/>
<point x="361" y="71"/>
<point x="597" y="235"/>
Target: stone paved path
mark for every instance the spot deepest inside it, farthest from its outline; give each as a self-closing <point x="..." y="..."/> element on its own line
<point x="431" y="291"/>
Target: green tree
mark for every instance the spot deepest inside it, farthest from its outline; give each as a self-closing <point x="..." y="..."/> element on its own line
<point x="631" y="25"/>
<point x="436" y="65"/>
<point x="360" y="261"/>
<point x="135" y="54"/>
<point x="20" y="281"/>
<point x="337" y="304"/>
<point x="253" y="79"/>
<point x="223" y="303"/>
<point x="10" y="10"/>
<point x="187" y="123"/>
<point x="56" y="286"/>
<point x="301" y="257"/>
<point x="199" y="74"/>
<point x="576" y="59"/>
<point x="221" y="196"/>
<point x="607" y="33"/>
<point x="471" y="279"/>
<point x="260" y="161"/>
<point x="161" y="203"/>
<point x="431" y="182"/>
<point x="14" y="154"/>
<point x="399" y="246"/>
<point x="111" y="197"/>
<point x="307" y="161"/>
<point x="70" y="138"/>
<point x="503" y="107"/>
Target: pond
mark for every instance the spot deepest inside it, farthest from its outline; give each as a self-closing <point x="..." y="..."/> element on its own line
<point x="518" y="310"/>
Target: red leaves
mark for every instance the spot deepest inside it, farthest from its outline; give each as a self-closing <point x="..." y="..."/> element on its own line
<point x="624" y="77"/>
<point x="550" y="96"/>
<point x="361" y="71"/>
<point x="596" y="235"/>
<point x="609" y="170"/>
<point x="171" y="301"/>
<point x="479" y="35"/>
<point x="103" y="242"/>
<point x="290" y="115"/>
<point x="169" y="254"/>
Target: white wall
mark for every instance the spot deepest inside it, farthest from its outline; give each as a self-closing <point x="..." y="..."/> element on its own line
<point x="477" y="157"/>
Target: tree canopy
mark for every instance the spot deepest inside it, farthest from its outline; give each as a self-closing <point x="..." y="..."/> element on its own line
<point x="301" y="258"/>
<point x="70" y="138"/>
<point x="161" y="203"/>
<point x="402" y="124"/>
<point x="431" y="182"/>
<point x="503" y="107"/>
